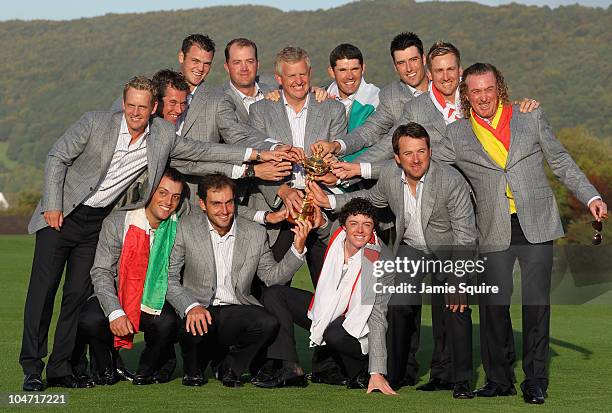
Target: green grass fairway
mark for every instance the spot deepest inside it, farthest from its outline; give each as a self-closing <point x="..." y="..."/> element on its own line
<point x="580" y="367"/>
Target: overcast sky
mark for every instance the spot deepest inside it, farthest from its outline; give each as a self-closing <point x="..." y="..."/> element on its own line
<point x="74" y="9"/>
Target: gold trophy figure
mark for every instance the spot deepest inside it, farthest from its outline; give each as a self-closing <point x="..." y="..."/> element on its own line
<point x="314" y="166"/>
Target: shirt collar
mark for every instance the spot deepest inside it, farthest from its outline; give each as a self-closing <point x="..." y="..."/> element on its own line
<point x="421" y="181"/>
<point x="230" y="233"/>
<point x="123" y="130"/>
<point x="413" y="91"/>
<point x="242" y="95"/>
<point x="306" y="103"/>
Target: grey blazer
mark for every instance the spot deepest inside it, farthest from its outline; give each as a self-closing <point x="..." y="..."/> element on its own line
<point x="104" y="276"/>
<point x="193" y="251"/>
<point x="241" y="112"/>
<point x="79" y="160"/>
<point x="392" y="99"/>
<point x="532" y="141"/>
<point x="447" y="214"/>
<point x="211" y="117"/>
<point x="420" y="110"/>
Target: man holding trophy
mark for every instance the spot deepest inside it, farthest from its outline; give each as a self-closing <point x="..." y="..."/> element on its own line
<point x="299" y="120"/>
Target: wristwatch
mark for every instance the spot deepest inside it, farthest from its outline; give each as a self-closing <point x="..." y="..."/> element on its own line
<point x="265" y="217"/>
<point x="250" y="171"/>
<point x="258" y="156"/>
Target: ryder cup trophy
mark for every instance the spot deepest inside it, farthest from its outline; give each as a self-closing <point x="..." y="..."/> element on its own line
<point x="314" y="166"/>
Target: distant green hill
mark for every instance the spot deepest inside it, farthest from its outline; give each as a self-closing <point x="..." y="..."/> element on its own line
<point x="54" y="71"/>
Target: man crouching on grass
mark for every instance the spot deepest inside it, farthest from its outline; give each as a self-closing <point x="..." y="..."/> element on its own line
<point x="130" y="279"/>
<point x="345" y="316"/>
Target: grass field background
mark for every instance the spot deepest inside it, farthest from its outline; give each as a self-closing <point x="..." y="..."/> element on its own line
<point x="580" y="366"/>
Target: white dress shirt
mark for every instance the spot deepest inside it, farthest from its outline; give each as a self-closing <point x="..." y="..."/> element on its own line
<point x="297" y="122"/>
<point x="413" y="232"/>
<point x="128" y="161"/>
<point x="247" y="101"/>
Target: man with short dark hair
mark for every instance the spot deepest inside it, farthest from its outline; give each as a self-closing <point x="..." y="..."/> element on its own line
<point x="217" y="254"/>
<point x="501" y="151"/>
<point x="211" y="116"/>
<point x="171" y="91"/>
<point x="346" y="67"/>
<point x="409" y="63"/>
<point x="434" y="220"/>
<point x="344" y="316"/>
<point x="242" y="65"/>
<point x="130" y="279"/>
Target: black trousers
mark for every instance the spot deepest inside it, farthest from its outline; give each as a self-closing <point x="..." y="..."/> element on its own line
<point x="451" y="359"/>
<point x="496" y="339"/>
<point x="404" y="325"/>
<point x="290" y="305"/>
<point x="74" y="248"/>
<point x="159" y="333"/>
<point x="314" y="254"/>
<point x="243" y="329"/>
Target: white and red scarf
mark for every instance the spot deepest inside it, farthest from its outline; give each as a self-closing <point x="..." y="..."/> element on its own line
<point x="338" y="295"/>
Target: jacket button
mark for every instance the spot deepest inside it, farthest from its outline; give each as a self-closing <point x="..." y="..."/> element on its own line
<point x="91" y="188"/>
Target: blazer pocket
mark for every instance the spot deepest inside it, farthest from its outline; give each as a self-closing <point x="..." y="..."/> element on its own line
<point x="543" y="192"/>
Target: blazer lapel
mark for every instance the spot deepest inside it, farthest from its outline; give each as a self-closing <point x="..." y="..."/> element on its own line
<point x="397" y="191"/>
<point x="241" y="243"/>
<point x="282" y="122"/>
<point x="312" y="124"/>
<point x="153" y="157"/>
<point x="437" y="120"/>
<point x="515" y="132"/>
<point x="110" y="143"/>
<point x="478" y="148"/>
<point x="208" y="254"/>
<point x="197" y="102"/>
<point x="428" y="197"/>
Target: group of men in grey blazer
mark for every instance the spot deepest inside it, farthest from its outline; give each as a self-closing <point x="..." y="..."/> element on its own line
<point x="411" y="139"/>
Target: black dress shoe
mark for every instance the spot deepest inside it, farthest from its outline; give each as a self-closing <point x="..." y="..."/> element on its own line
<point x="194" y="381"/>
<point x="33" y="382"/>
<point x="284" y="377"/>
<point x="69" y="382"/>
<point x="124" y="374"/>
<point x="435" y="385"/>
<point x="85" y="379"/>
<point x="359" y="382"/>
<point x="264" y="374"/>
<point x="162" y="376"/>
<point x="107" y="378"/>
<point x="492" y="389"/>
<point x="462" y="390"/>
<point x="332" y="376"/>
<point x="231" y="379"/>
<point x="532" y="393"/>
<point x="396" y="385"/>
<point x="142" y="379"/>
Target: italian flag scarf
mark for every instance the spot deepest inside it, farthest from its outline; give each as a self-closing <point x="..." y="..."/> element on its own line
<point x="451" y="112"/>
<point x="338" y="295"/>
<point x="364" y="104"/>
<point x="495" y="140"/>
<point x="143" y="269"/>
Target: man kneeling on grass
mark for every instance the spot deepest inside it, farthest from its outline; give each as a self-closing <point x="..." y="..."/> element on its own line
<point x="130" y="279"/>
<point x="345" y="316"/>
